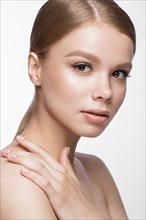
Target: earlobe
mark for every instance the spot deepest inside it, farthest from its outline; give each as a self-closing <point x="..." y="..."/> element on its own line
<point x="34" y="69"/>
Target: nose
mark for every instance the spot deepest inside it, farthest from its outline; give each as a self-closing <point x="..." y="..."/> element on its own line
<point x="102" y="90"/>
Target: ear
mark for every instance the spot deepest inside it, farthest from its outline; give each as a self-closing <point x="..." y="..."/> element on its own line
<point x="34" y="68"/>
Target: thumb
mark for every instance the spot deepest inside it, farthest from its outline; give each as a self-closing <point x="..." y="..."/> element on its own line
<point x="63" y="158"/>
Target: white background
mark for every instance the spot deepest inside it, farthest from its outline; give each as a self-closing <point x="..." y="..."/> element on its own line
<point x="122" y="145"/>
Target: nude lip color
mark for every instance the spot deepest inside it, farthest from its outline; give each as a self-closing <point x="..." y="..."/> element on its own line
<point x="96" y="116"/>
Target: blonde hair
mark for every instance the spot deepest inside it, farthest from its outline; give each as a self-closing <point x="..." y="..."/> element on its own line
<point x="57" y="18"/>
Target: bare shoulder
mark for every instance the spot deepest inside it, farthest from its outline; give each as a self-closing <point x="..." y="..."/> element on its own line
<point x="93" y="163"/>
<point x="89" y="158"/>
<point x="97" y="170"/>
<point x="101" y="175"/>
<point x="21" y="198"/>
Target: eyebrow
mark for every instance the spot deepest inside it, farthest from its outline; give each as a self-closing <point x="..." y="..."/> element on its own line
<point x="127" y="65"/>
<point x="85" y="54"/>
<point x="94" y="58"/>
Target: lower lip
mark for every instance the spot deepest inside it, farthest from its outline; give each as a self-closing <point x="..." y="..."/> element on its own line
<point x="96" y="119"/>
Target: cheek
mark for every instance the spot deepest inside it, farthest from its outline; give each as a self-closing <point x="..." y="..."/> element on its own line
<point x="119" y="95"/>
<point x="65" y="85"/>
<point x="62" y="89"/>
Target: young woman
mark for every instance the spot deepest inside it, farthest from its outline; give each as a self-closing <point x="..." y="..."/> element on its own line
<point x="80" y="57"/>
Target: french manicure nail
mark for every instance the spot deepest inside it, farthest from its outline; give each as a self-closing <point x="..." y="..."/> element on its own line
<point x="67" y="154"/>
<point x="5" y="152"/>
<point x="12" y="155"/>
<point x="20" y="137"/>
<point x="25" y="171"/>
<point x="68" y="151"/>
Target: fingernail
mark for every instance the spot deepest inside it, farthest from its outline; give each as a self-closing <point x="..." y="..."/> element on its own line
<point x="20" y="137"/>
<point x="25" y="171"/>
<point x="12" y="155"/>
<point x="5" y="152"/>
<point x="68" y="151"/>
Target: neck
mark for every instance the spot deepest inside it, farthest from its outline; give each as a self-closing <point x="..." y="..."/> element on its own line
<point x="48" y="133"/>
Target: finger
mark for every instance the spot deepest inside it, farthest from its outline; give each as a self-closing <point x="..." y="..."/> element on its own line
<point x="52" y="194"/>
<point x="30" y="161"/>
<point x="40" y="151"/>
<point x="42" y="182"/>
<point x="26" y="159"/>
<point x="55" y="178"/>
<point x="51" y="162"/>
<point x="5" y="152"/>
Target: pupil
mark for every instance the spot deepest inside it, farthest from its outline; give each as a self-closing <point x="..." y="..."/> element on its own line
<point x="82" y="67"/>
<point x="116" y="74"/>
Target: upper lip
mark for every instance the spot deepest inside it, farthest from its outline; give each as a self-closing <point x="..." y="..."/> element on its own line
<point x="97" y="112"/>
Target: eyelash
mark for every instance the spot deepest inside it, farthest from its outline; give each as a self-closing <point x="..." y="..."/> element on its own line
<point x="76" y="66"/>
<point x="125" y="74"/>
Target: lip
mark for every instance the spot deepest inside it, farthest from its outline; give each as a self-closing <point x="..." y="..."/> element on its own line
<point x="96" y="116"/>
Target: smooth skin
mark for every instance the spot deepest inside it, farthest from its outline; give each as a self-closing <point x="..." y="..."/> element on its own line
<point x="79" y="74"/>
<point x="65" y="187"/>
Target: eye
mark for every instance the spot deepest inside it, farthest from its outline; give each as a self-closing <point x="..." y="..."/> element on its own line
<point x="120" y="74"/>
<point x="83" y="67"/>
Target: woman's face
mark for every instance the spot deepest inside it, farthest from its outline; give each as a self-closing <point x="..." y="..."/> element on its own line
<point x="83" y="80"/>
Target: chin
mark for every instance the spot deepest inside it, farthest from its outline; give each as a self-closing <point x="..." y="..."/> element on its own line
<point x="91" y="133"/>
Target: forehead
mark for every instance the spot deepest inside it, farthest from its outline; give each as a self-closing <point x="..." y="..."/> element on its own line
<point x="102" y="40"/>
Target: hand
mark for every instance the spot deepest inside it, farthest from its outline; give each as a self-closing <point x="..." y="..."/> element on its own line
<point x="57" y="179"/>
